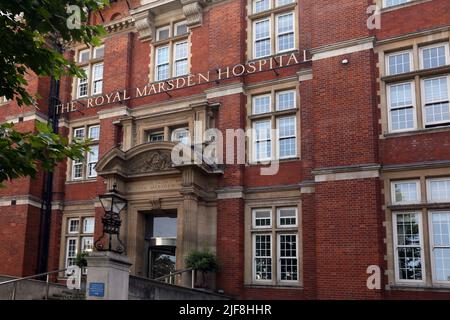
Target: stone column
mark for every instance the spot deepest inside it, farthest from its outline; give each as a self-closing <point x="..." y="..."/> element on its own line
<point x="189" y="237"/>
<point x="108" y="276"/>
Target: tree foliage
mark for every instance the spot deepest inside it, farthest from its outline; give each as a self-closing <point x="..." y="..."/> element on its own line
<point x="31" y="32"/>
<point x="22" y="153"/>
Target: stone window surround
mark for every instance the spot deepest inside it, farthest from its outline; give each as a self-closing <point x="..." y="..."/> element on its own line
<point x="84" y="123"/>
<point x="89" y="64"/>
<point x="170" y="21"/>
<point x="416" y="76"/>
<point x="381" y="4"/>
<point x="273" y="89"/>
<point x="423" y="175"/>
<point x="68" y="215"/>
<point x="261" y="201"/>
<point x="251" y="18"/>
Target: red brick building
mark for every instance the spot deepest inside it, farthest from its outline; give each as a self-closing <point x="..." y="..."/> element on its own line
<point x="363" y="143"/>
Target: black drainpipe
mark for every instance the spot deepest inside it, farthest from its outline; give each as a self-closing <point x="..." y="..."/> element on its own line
<point x="47" y="192"/>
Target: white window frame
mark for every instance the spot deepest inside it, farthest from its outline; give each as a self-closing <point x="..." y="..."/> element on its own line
<point x="69" y="223"/>
<point x="277" y="4"/>
<point x="161" y="29"/>
<point x="277" y="94"/>
<point x="411" y="62"/>
<point x="279" y="257"/>
<point x="176" y="131"/>
<point x="414" y="106"/>
<point x="89" y="132"/>
<point x="269" y="140"/>
<point x="262" y="257"/>
<point x="424" y="103"/>
<point x="418" y="191"/>
<point x="254" y="211"/>
<point x="84" y="225"/>
<point x="94" y="80"/>
<point x="395" y="5"/>
<point x="82" y="243"/>
<point x="98" y="48"/>
<point x="436" y="45"/>
<point x="156" y="133"/>
<point x="268" y="38"/>
<point x="90" y="161"/>
<point x="84" y="81"/>
<point x="175" y="25"/>
<point x="277" y="50"/>
<point x="290" y="225"/>
<point x="158" y="64"/>
<point x="254" y="6"/>
<point x="432" y="247"/>
<point x="67" y="250"/>
<point x="75" y="130"/>
<point x="76" y="163"/>
<point x="396" y="246"/>
<point x="278" y="144"/>
<point x="80" y="53"/>
<point x="254" y="103"/>
<point x="175" y="59"/>
<point x="429" y="200"/>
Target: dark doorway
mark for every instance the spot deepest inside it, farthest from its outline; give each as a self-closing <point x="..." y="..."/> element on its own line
<point x="161" y="238"/>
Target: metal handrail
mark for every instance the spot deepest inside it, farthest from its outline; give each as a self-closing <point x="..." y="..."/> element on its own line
<point x="168" y="277"/>
<point x="47" y="281"/>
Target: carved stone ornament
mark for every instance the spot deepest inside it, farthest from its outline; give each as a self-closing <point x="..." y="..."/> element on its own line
<point x="193" y="10"/>
<point x="144" y="23"/>
<point x="150" y="162"/>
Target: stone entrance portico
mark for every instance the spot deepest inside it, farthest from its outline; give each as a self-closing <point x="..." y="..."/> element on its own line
<point x="147" y="178"/>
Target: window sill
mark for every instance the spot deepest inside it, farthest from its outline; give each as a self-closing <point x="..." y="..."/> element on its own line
<point x="274" y="113"/>
<point x="81" y="181"/>
<point x="412" y="74"/>
<point x="274" y="286"/>
<point x="415" y="287"/>
<point x="445" y="128"/>
<point x="256" y="164"/>
<point x="262" y="14"/>
<point x="403" y="5"/>
<point x="416" y="206"/>
<point x="276" y="55"/>
<point x="172" y="39"/>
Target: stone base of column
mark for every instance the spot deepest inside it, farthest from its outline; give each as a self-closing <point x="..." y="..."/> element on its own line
<point x="108" y="276"/>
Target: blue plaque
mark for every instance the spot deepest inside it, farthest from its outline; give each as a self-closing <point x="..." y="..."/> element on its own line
<point x="96" y="289"/>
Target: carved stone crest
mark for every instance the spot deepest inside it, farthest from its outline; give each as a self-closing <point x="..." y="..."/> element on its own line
<point x="150" y="162"/>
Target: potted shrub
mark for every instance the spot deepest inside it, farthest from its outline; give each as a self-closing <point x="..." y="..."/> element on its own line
<point x="203" y="261"/>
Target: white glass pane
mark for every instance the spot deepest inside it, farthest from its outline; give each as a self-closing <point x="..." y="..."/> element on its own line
<point x="162" y="55"/>
<point x="402" y="119"/>
<point x="162" y="72"/>
<point x="74" y="225"/>
<point x="286" y="100"/>
<point x="433" y="57"/>
<point x="437" y="112"/>
<point x="442" y="264"/>
<point x="181" y="50"/>
<point x="87" y="244"/>
<point x="436" y="90"/>
<point x="440" y="191"/>
<point x="390" y="3"/>
<point x="94" y="132"/>
<point x="261" y="5"/>
<point x="181" y="28"/>
<point x="83" y="56"/>
<point x="263" y="257"/>
<point x="400" y="95"/>
<point x="262" y="218"/>
<point x="285" y="23"/>
<point x="288" y="257"/>
<point x="78" y="133"/>
<point x="283" y="2"/>
<point x="88" y="225"/>
<point x="262" y="129"/>
<point x="405" y="192"/>
<point x="99" y="52"/>
<point x="408" y="251"/>
<point x="399" y="63"/>
<point x="162" y="33"/>
<point x="286" y="127"/>
<point x="287" y="217"/>
<point x="261" y="104"/>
